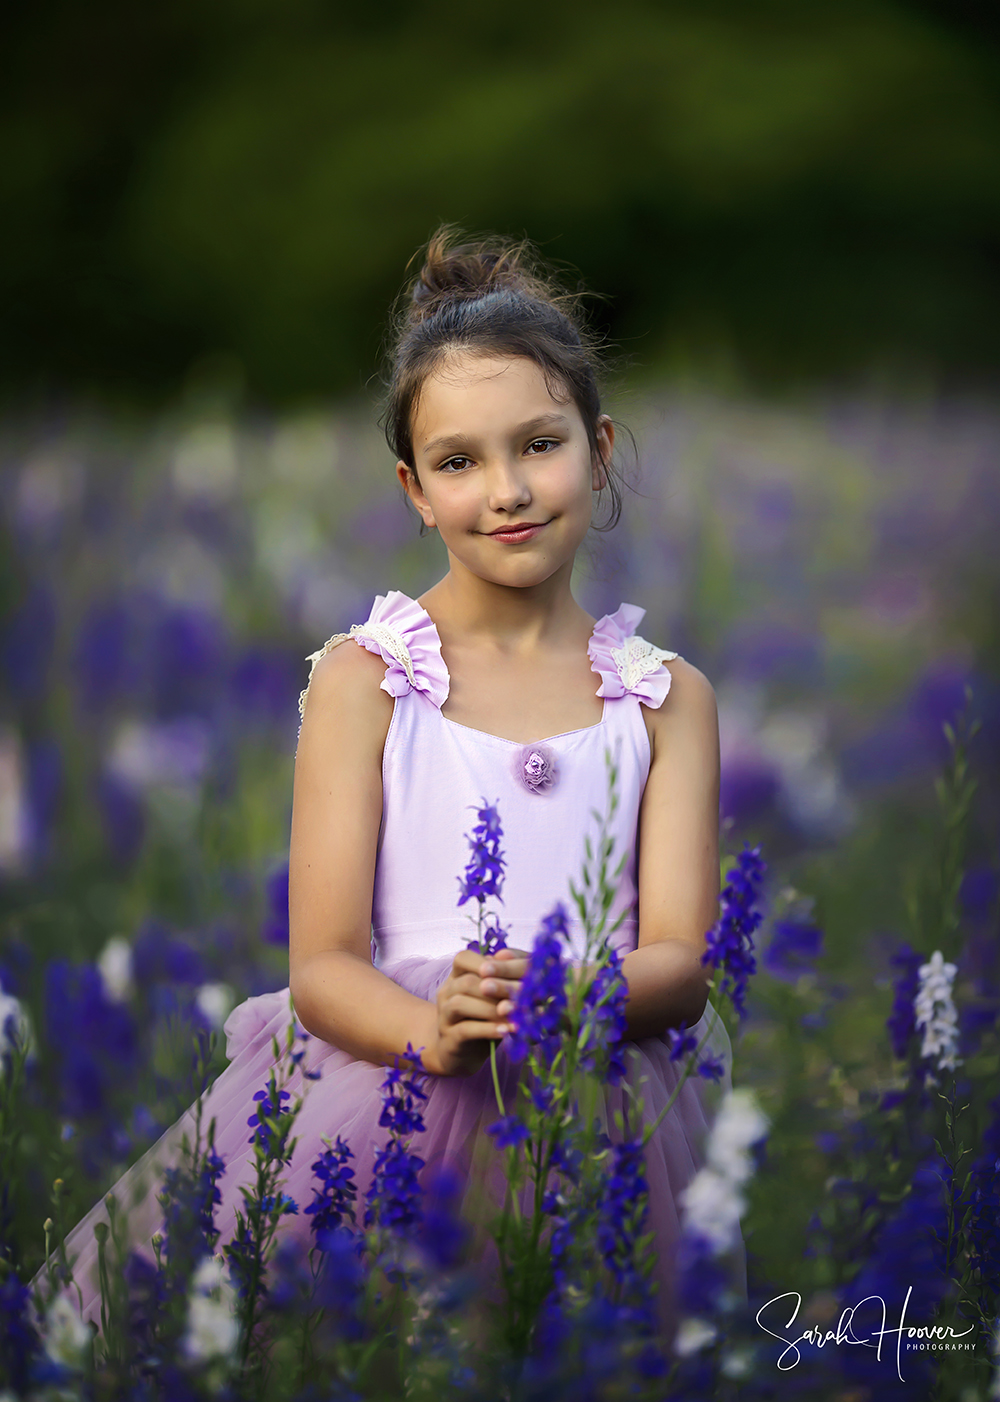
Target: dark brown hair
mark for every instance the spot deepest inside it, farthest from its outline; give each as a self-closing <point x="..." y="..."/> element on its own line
<point x="493" y="299"/>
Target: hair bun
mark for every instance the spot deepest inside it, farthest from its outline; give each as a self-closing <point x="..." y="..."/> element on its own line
<point x="461" y="272"/>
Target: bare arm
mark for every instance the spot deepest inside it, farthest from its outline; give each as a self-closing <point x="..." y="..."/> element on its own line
<point x="337" y="809"/>
<point x="678" y="859"/>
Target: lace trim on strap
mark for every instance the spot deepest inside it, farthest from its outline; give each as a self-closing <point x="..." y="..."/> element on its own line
<point x="402" y="633"/>
<point x="384" y="638"/>
<point x="627" y="663"/>
<point x="637" y="659"/>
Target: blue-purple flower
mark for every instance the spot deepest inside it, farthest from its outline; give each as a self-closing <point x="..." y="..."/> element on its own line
<point x="730" y="940"/>
<point x="484" y="873"/>
<point x="682" y="1042"/>
<point x="400" y="1091"/>
<point x="541" y="1001"/>
<point x="269" y="1134"/>
<point x="602" y="1034"/>
<point x="334" y="1200"/>
<point x="902" y="1023"/>
<point x="508" y="1132"/>
<point x="794" y="947"/>
<point x="394" y="1197"/>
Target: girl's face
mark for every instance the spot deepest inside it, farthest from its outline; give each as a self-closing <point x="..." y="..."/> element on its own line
<point x="504" y="471"/>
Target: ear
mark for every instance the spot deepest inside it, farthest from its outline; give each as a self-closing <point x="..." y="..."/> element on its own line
<point x="412" y="488"/>
<point x="605" y="447"/>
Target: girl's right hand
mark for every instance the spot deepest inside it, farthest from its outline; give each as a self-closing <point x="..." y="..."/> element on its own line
<point x="473" y="1005"/>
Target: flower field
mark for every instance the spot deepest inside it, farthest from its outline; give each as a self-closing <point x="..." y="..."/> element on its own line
<point x="832" y="567"/>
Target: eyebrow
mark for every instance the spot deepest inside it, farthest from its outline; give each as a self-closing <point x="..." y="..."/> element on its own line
<point x="452" y="443"/>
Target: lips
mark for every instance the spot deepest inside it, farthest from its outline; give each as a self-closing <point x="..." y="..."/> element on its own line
<point x="522" y="531"/>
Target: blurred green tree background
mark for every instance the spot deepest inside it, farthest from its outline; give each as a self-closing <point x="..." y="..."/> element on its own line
<point x="233" y="189"/>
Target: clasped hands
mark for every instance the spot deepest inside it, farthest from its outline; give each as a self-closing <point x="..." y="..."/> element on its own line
<point x="474" y="1005"/>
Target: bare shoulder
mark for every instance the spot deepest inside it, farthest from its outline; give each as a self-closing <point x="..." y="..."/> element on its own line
<point x="345" y="696"/>
<point x="689" y="710"/>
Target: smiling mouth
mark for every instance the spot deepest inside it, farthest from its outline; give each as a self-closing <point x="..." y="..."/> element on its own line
<point x="521" y="530"/>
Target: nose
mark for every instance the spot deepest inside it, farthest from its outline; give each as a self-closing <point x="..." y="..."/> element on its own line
<point x="507" y="488"/>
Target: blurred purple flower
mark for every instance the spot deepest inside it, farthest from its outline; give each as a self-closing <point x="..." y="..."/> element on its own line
<point x="43" y="792"/>
<point x="444" y="1235"/>
<point x="188" y="654"/>
<point x="730" y="940"/>
<point x="508" y="1132"/>
<point x="275" y="929"/>
<point x="711" y="1068"/>
<point x="603" y="1028"/>
<point x="748" y="789"/>
<point x="103" y="658"/>
<point x="264" y="684"/>
<point x="541" y="1001"/>
<point x="27" y="640"/>
<point x="793" y="949"/>
<point x="484" y="872"/>
<point x="20" y="1345"/>
<point x="901" y="1022"/>
<point x="123" y="817"/>
<point x="160" y="956"/>
<point x="682" y="1042"/>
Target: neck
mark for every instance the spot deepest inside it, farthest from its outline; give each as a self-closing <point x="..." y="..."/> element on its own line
<point x="465" y="605"/>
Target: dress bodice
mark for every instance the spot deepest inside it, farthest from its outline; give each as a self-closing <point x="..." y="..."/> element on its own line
<point x="436" y="772"/>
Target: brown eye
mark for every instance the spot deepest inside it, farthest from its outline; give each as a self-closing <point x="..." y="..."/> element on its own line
<point x="544" y="444"/>
<point x="457" y="463"/>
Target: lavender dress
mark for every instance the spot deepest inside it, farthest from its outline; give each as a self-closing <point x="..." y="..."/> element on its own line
<point x="434" y="773"/>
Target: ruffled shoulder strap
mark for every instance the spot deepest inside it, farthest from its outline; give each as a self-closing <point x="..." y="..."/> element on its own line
<point x="627" y="663"/>
<point x="402" y="633"/>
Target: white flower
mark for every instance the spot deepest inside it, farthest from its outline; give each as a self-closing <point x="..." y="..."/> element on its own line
<point x="713" y="1200"/>
<point x="67" y="1336"/>
<point x="739" y="1123"/>
<point x="693" y="1335"/>
<point x="713" y="1204"/>
<point x="115" y="965"/>
<point x="15" y="1025"/>
<point x="212" y="1328"/>
<point x="215" y="1002"/>
<point x="934" y="1011"/>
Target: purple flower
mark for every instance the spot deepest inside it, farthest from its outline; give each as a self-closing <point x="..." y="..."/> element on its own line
<point x="901" y="1023"/>
<point x="730" y="940"/>
<point x="682" y="1042"/>
<point x="444" y="1235"/>
<point x="484" y="873"/>
<point x="400" y="1092"/>
<point x="394" y="1198"/>
<point x="624" y="1211"/>
<point x="493" y="937"/>
<point x="711" y="1068"/>
<point x="541" y="1002"/>
<point x="793" y="950"/>
<point x="269" y="1134"/>
<point x="335" y="1199"/>
<point x="603" y="1031"/>
<point x="508" y="1132"/>
<point x="535" y="767"/>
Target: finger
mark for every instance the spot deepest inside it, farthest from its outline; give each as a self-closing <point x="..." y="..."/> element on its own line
<point x="496" y="988"/>
<point x="478" y="1031"/>
<point x="509" y="952"/>
<point x="466" y="961"/>
<point x="461" y="1007"/>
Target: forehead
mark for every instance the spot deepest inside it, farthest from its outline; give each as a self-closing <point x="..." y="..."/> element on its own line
<point x="467" y="393"/>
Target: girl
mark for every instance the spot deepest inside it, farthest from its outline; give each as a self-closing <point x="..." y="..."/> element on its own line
<point x="494" y="682"/>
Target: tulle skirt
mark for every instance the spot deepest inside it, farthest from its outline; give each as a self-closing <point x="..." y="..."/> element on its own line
<point x="345" y="1101"/>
